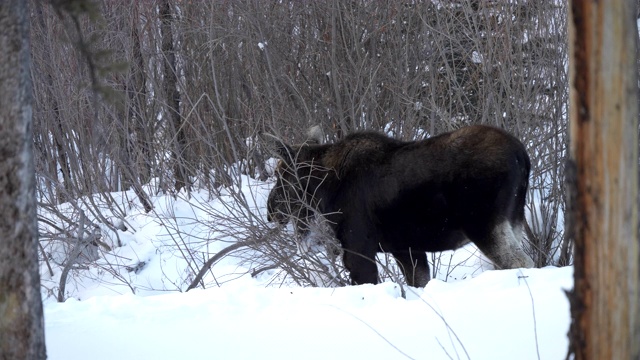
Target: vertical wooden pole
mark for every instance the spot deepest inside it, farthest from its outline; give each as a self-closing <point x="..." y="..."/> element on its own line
<point x="603" y="179"/>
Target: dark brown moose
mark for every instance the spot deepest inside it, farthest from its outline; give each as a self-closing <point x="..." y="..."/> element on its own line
<point x="385" y="195"/>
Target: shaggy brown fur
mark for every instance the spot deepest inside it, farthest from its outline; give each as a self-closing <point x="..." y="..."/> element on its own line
<point x="408" y="198"/>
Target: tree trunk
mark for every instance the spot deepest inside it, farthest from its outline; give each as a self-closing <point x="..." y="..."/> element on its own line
<point x="21" y="318"/>
<point x="143" y="125"/>
<point x="65" y="192"/>
<point x="603" y="180"/>
<point x="173" y="97"/>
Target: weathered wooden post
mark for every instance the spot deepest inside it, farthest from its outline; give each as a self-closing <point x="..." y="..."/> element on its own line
<point x="603" y="179"/>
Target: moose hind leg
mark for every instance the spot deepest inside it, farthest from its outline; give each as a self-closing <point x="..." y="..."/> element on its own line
<point x="522" y="259"/>
<point x="414" y="267"/>
<point x="503" y="245"/>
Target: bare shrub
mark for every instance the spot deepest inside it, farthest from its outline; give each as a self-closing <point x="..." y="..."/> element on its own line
<point x="181" y="104"/>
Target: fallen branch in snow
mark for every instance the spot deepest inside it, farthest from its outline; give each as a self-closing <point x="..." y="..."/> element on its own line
<point x="226" y="251"/>
<point x="45" y="259"/>
<point x="81" y="244"/>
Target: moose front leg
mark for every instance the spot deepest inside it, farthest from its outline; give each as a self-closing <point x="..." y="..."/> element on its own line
<point x="362" y="267"/>
<point x="414" y="267"/>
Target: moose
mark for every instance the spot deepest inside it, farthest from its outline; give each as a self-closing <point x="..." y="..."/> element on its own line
<point x="286" y="199"/>
<point x="380" y="194"/>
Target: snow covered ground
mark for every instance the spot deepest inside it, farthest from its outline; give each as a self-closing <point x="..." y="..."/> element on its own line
<point x="132" y="304"/>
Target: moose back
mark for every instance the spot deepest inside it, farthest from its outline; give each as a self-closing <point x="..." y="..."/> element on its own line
<point x="406" y="198"/>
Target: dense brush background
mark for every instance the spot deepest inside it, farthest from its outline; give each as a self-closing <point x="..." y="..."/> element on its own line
<point x="170" y="98"/>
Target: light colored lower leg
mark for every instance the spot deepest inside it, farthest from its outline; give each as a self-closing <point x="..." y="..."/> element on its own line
<point x="523" y="260"/>
<point x="507" y="252"/>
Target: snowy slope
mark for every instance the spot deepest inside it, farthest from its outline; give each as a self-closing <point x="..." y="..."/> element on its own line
<point x="498" y="315"/>
<point x="131" y="304"/>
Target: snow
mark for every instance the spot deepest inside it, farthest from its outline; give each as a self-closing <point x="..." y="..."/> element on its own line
<point x="488" y="317"/>
<point x="132" y="304"/>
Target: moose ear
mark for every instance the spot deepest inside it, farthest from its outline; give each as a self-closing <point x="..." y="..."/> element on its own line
<point x="315" y="135"/>
<point x="279" y="148"/>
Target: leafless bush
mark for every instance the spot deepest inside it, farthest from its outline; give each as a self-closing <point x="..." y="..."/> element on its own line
<point x="184" y="89"/>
